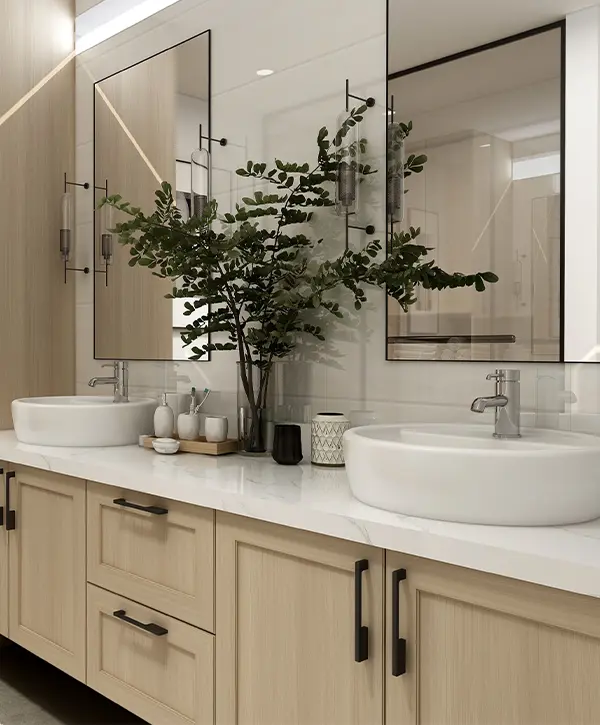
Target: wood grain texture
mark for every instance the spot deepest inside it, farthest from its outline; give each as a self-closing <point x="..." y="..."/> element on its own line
<point x="484" y="650"/>
<point x="167" y="562"/>
<point x="47" y="568"/>
<point x="285" y="628"/>
<point x="202" y="446"/>
<point x="133" y="318"/>
<point x="3" y="564"/>
<point x="167" y="680"/>
<point x="37" y="146"/>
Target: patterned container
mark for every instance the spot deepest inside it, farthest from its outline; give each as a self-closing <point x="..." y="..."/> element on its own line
<point x="326" y="439"/>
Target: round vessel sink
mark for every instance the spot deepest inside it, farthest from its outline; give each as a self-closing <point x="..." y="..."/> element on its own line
<point x="462" y="473"/>
<point x="81" y="421"/>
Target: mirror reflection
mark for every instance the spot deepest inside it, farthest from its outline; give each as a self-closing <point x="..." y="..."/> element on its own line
<point x="482" y="134"/>
<point x="149" y="120"/>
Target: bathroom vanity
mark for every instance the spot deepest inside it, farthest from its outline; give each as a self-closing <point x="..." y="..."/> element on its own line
<point x="193" y="590"/>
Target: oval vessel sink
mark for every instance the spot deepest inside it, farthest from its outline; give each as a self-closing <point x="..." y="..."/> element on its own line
<point x="81" y="421"/>
<point x="461" y="473"/>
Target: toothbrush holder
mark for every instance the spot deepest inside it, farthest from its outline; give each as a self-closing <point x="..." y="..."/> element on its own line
<point x="188" y="426"/>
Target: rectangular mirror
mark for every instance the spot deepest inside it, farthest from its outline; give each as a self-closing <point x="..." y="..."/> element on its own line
<point x="486" y="151"/>
<point x="148" y="121"/>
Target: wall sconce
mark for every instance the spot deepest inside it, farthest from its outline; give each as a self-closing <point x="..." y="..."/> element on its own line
<point x="201" y="175"/>
<point x="67" y="222"/>
<point x="348" y="167"/>
<point x="106" y="239"/>
<point x="67" y="226"/>
<point x="395" y="169"/>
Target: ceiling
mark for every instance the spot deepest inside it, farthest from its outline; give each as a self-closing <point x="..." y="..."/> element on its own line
<point x="511" y="92"/>
<point x="424" y="30"/>
<point x="83" y="6"/>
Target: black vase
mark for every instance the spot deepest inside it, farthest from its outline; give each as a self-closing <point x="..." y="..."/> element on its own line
<point x="287" y="445"/>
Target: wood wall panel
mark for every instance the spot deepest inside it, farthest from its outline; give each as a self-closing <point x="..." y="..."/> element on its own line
<point x="37" y="144"/>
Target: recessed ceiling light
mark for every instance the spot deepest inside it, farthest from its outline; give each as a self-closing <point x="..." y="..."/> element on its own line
<point x="485" y="145"/>
<point x="265" y="72"/>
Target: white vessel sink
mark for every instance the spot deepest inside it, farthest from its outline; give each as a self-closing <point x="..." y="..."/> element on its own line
<point x="461" y="473"/>
<point x="81" y="421"/>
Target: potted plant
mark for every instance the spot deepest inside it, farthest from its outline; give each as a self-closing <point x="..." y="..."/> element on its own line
<point x="258" y="280"/>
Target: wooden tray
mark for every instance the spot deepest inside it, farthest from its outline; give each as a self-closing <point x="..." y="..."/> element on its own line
<point x="202" y="446"/>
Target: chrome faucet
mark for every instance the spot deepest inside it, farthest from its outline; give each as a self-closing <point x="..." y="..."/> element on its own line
<point x="120" y="380"/>
<point x="507" y="403"/>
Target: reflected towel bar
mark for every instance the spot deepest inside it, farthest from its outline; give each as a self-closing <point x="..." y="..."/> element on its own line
<point x="446" y="339"/>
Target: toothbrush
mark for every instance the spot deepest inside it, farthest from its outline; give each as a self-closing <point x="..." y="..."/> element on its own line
<point x="206" y="392"/>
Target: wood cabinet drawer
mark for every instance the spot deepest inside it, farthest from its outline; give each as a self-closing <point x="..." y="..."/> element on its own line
<point x="165" y="676"/>
<point x="164" y="560"/>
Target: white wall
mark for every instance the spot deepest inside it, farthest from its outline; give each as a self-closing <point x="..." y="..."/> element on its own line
<point x="281" y="115"/>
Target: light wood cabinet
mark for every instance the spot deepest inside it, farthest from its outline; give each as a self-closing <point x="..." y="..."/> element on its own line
<point x="47" y="567"/>
<point x="286" y="626"/>
<point x="484" y="650"/>
<point x="155" y="666"/>
<point x="3" y="557"/>
<point x="154" y="551"/>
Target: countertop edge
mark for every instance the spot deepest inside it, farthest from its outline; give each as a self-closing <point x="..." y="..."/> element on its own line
<point x="573" y="571"/>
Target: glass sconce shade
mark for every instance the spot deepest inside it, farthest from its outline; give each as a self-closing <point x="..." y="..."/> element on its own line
<point x="106" y="237"/>
<point x="395" y="173"/>
<point x="348" y="172"/>
<point x="67" y="223"/>
<point x="200" y="181"/>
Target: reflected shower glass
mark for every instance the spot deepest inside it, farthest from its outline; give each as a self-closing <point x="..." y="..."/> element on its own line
<point x="488" y="198"/>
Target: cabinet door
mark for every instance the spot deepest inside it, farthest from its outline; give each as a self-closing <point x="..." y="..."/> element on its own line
<point x="156" y="666"/>
<point x="3" y="558"/>
<point x="47" y="568"/>
<point x="485" y="650"/>
<point x="286" y="627"/>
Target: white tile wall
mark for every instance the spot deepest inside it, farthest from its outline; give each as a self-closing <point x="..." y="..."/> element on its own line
<point x="281" y="115"/>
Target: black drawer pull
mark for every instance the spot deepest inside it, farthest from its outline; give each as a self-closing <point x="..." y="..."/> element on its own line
<point x="156" y="510"/>
<point x="10" y="519"/>
<point x="151" y="628"/>
<point x="398" y="643"/>
<point x="361" y="633"/>
<point x="1" y="507"/>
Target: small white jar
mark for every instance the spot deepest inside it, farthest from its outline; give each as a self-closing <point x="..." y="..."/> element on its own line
<point x="188" y="426"/>
<point x="327" y="434"/>
<point x="216" y="428"/>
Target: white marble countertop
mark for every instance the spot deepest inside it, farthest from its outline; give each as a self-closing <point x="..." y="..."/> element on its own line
<point x="319" y="500"/>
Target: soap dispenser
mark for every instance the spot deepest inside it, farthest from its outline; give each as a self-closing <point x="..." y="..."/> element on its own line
<point x="164" y="419"/>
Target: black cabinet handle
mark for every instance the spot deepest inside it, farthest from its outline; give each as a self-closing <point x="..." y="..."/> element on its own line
<point x="156" y="510"/>
<point x="151" y="628"/>
<point x="398" y="644"/>
<point x="361" y="633"/>
<point x="10" y="517"/>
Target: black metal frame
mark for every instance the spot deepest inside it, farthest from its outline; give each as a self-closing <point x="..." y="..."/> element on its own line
<point x="559" y="25"/>
<point x="85" y="270"/>
<point x="221" y="141"/>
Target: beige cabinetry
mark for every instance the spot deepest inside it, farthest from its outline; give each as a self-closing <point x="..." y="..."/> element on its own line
<point x="3" y="557"/>
<point x="154" y="551"/>
<point x="46" y="574"/>
<point x="154" y="665"/>
<point x="288" y="631"/>
<point x="197" y="618"/>
<point x="484" y="650"/>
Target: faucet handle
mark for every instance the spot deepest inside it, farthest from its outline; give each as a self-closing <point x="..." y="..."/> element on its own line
<point x="505" y="376"/>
